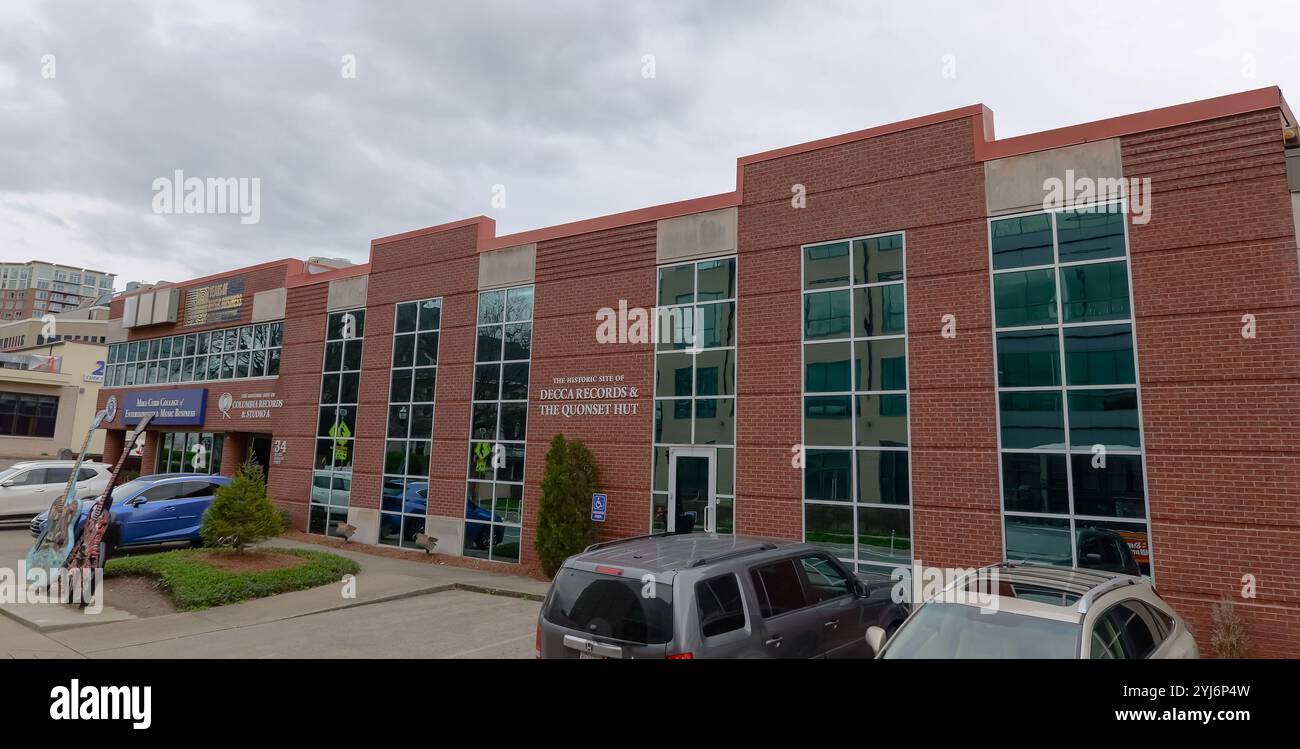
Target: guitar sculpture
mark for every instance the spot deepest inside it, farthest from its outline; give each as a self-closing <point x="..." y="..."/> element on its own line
<point x="56" y="540"/>
<point x="88" y="554"/>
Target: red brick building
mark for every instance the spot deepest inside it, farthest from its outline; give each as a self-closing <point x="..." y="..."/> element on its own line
<point x="911" y="343"/>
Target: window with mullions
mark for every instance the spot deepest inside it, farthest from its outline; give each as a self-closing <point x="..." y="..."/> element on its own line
<point x="27" y="415"/>
<point x="1069" y="428"/>
<point x="404" y="495"/>
<point x="242" y="352"/>
<point x="494" y="493"/>
<point x="856" y="493"/>
<point x="695" y="378"/>
<point x="190" y="452"/>
<point x="336" y="424"/>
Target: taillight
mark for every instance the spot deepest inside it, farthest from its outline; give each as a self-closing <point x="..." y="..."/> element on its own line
<point x="682" y="657"/>
<point x="537" y="642"/>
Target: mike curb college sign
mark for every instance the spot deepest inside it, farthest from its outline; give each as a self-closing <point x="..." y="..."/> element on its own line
<point x="169" y="407"/>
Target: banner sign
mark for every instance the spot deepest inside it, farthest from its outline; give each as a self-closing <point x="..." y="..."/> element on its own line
<point x="214" y="303"/>
<point x="169" y="407"/>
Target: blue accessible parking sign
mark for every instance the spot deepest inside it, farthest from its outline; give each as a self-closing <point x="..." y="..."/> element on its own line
<point x="598" y="502"/>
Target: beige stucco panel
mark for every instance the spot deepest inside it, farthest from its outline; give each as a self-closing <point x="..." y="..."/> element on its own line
<point x="449" y="531"/>
<point x="269" y="305"/>
<point x="510" y="266"/>
<point x="1017" y="183"/>
<point x="348" y="293"/>
<point x="698" y="235"/>
<point x="366" y="521"/>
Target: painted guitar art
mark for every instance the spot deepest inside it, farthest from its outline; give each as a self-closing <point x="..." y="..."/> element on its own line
<point x="88" y="554"/>
<point x="54" y="543"/>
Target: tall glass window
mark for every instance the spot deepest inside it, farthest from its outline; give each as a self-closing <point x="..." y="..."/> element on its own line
<point x="494" y="497"/>
<point x="336" y="424"/>
<point x="190" y="452"/>
<point x="414" y="374"/>
<point x="242" y="352"/>
<point x="695" y="381"/>
<point x="1069" y="430"/>
<point x="856" y="475"/>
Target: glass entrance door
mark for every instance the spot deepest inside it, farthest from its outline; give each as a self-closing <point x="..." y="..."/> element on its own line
<point x="259" y="449"/>
<point x="692" y="493"/>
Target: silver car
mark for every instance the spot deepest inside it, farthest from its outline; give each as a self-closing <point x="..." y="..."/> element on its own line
<point x="1021" y="610"/>
<point x="680" y="596"/>
<point x="29" y="488"/>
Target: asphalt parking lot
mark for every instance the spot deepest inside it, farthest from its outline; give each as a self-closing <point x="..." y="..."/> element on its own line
<point x="416" y="613"/>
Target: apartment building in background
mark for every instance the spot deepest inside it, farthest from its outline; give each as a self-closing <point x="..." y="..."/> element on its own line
<point x="35" y="288"/>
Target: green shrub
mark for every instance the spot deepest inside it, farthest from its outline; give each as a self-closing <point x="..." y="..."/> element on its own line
<point x="564" y="525"/>
<point x="286" y="519"/>
<point x="194" y="584"/>
<point x="240" y="512"/>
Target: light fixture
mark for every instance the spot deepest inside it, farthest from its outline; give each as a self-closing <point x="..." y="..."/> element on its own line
<point x="426" y="542"/>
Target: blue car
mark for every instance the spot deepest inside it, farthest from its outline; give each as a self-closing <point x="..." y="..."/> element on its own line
<point x="482" y="534"/>
<point x="156" y="509"/>
<point x="413" y="499"/>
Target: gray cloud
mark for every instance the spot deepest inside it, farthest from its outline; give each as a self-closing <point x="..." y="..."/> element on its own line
<point x="546" y="99"/>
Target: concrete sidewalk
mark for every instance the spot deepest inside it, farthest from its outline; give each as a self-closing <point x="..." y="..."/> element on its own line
<point x="443" y="592"/>
<point x="420" y="566"/>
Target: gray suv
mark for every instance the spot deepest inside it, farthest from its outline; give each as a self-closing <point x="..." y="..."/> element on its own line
<point x="699" y="596"/>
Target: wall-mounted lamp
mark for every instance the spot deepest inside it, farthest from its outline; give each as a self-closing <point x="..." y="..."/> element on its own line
<point x="425" y="542"/>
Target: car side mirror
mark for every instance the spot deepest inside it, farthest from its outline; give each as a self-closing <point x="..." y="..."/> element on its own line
<point x="7" y="483"/>
<point x="876" y="639"/>
<point x="860" y="589"/>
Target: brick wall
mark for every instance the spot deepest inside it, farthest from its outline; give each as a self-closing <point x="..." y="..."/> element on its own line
<point x="289" y="483"/>
<point x="926" y="182"/>
<point x="421" y="267"/>
<point x="577" y="276"/>
<point x="1219" y="410"/>
<point x="259" y="278"/>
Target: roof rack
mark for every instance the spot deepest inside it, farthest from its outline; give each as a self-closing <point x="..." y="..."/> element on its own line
<point x="617" y="541"/>
<point x="973" y="573"/>
<point x="701" y="561"/>
<point x="1106" y="587"/>
<point x="1066" y="586"/>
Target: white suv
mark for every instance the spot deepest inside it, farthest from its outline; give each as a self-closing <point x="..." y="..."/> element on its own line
<point x="1042" y="611"/>
<point x="29" y="488"/>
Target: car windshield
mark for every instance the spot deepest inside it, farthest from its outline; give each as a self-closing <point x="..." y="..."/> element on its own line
<point x="9" y="472"/>
<point x="611" y="606"/>
<point x="129" y="488"/>
<point x="953" y="630"/>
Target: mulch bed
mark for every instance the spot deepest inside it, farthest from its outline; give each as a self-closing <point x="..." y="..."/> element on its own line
<point x="412" y="555"/>
<point x="250" y="561"/>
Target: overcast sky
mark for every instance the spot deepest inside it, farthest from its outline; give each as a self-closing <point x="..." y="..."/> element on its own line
<point x="548" y="100"/>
